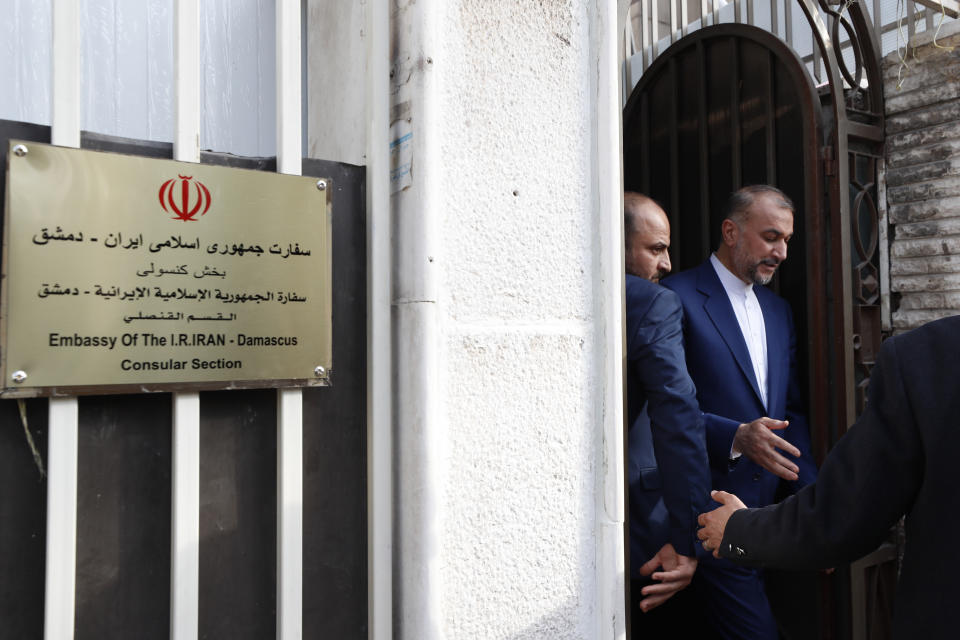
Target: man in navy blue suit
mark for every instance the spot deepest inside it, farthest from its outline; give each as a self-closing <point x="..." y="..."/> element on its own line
<point x="741" y="354"/>
<point x="667" y="466"/>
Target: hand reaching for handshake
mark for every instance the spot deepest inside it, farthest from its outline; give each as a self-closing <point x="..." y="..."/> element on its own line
<point x="757" y="441"/>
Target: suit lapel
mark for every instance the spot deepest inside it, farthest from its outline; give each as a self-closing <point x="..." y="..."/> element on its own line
<point x="720" y="311"/>
<point x="777" y="355"/>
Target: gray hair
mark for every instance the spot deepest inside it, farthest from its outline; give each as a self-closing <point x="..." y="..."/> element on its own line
<point x="741" y="200"/>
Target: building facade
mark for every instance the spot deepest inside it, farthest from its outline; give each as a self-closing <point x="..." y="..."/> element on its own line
<point x="471" y="484"/>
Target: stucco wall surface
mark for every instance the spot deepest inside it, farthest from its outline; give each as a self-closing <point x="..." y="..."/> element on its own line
<point x="923" y="177"/>
<point x="517" y="557"/>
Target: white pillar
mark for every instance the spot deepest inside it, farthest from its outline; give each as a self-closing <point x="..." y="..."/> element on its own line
<point x="609" y="284"/>
<point x="379" y="384"/>
<point x="507" y="336"/>
<point x="418" y="439"/>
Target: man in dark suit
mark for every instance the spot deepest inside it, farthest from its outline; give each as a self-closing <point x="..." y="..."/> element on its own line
<point x="667" y="466"/>
<point x="898" y="458"/>
<point x="740" y="348"/>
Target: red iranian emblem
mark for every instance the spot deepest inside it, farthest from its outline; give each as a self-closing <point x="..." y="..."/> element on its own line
<point x="180" y="204"/>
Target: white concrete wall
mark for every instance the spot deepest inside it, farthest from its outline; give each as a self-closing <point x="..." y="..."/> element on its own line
<point x="127" y="67"/>
<point x="496" y="296"/>
<point x="516" y="320"/>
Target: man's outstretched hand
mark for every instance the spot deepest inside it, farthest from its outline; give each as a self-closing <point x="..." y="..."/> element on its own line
<point x="715" y="522"/>
<point x="675" y="573"/>
<point x="757" y="441"/>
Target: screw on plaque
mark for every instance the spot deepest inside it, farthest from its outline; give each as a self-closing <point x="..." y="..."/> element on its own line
<point x="19" y="376"/>
<point x="20" y="150"/>
<point x="322" y="185"/>
<point x="320" y="372"/>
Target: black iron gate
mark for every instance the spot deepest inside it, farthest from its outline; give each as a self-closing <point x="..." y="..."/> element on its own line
<point x="725" y="107"/>
<point x="732" y="105"/>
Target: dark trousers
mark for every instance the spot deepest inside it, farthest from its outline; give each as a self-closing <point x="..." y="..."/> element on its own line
<point x="681" y="616"/>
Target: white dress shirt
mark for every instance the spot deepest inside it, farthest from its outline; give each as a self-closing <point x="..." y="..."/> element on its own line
<point x="750" y="318"/>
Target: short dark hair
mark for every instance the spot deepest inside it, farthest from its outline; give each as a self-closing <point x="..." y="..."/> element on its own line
<point x="741" y="199"/>
<point x="632" y="202"/>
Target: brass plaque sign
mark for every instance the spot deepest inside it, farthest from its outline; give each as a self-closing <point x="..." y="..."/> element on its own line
<point x="123" y="273"/>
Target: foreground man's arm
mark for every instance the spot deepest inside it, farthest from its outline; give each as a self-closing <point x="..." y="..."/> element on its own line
<point x="867" y="482"/>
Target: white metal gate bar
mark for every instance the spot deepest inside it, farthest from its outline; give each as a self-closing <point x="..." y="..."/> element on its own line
<point x="673" y="21"/>
<point x="185" y="518"/>
<point x="289" y="514"/>
<point x="61" y="519"/>
<point x="65" y="112"/>
<point x="788" y="22"/>
<point x="289" y="401"/>
<point x="61" y="551"/>
<point x="61" y="541"/>
<point x="649" y="32"/>
<point x="379" y="394"/>
<point x="185" y="474"/>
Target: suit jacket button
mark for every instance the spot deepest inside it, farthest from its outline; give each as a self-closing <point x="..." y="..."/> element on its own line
<point x="757" y="476"/>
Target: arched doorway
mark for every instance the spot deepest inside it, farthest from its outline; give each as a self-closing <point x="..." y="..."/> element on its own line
<point x="849" y="313"/>
<point x="725" y="107"/>
<point x="731" y="105"/>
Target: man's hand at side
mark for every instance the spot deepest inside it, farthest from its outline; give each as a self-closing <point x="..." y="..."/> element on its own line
<point x="675" y="574"/>
<point x="757" y="441"/>
<point x="715" y="522"/>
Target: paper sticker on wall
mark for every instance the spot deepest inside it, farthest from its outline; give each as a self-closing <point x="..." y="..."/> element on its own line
<point x="401" y="155"/>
